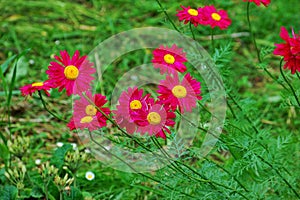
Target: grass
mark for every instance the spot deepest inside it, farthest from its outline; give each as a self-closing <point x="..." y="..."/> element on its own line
<point x="46" y="27"/>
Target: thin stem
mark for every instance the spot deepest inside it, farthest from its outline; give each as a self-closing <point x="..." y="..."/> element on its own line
<point x="252" y="33"/>
<point x="46" y="108"/>
<point x="191" y="28"/>
<point x="212" y="40"/>
<point x="298" y="75"/>
<point x="228" y="172"/>
<point x="262" y="159"/>
<point x="240" y="108"/>
<point x="280" y="175"/>
<point x="167" y="15"/>
<point x="256" y="48"/>
<point x="284" y="77"/>
<point x="132" y="168"/>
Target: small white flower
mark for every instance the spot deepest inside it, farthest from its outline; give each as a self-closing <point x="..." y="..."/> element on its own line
<point x="74" y="145"/>
<point x="59" y="144"/>
<point x="89" y="175"/>
<point x="57" y="42"/>
<point x="87" y="151"/>
<point x="38" y="161"/>
<point x="107" y="147"/>
<point x="31" y="62"/>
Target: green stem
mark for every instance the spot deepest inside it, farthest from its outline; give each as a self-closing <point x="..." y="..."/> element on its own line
<point x="269" y="164"/>
<point x="212" y="40"/>
<point x="240" y="108"/>
<point x="256" y="48"/>
<point x="46" y="188"/>
<point x="132" y="168"/>
<point x="60" y="195"/>
<point x="167" y="15"/>
<point x="252" y="33"/>
<point x="191" y="28"/>
<point x="46" y="108"/>
<point x="280" y="175"/>
<point x="285" y="79"/>
<point x="298" y="75"/>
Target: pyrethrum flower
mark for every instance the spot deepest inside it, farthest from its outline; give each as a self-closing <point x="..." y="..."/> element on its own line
<point x="89" y="175"/>
<point x="188" y="14"/>
<point x="131" y="101"/>
<point x="214" y="18"/>
<point x="169" y="60"/>
<point x="155" y="121"/>
<point x="290" y="50"/>
<point x="86" y="115"/>
<point x="258" y="2"/>
<point x="73" y="74"/>
<point x="183" y="94"/>
<point x="31" y="88"/>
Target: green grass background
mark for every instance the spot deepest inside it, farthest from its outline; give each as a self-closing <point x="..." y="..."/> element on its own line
<point x="46" y="27"/>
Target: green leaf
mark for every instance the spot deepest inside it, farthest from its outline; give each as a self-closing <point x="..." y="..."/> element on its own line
<point x="4" y="152"/>
<point x="53" y="191"/>
<point x="75" y="194"/>
<point x="3" y="69"/>
<point x="8" y="192"/>
<point x="25" y="193"/>
<point x="58" y="157"/>
<point x="2" y="176"/>
<point x="37" y="192"/>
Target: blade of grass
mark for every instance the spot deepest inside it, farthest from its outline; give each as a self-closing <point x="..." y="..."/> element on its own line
<point x="11" y="87"/>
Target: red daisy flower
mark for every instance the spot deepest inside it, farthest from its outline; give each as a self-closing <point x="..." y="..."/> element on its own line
<point x="188" y="14"/>
<point x="155" y="121"/>
<point x="131" y="101"/>
<point x="184" y="94"/>
<point x="290" y="50"/>
<point x="73" y="74"/>
<point x="169" y="60"/>
<point x="86" y="115"/>
<point x="257" y="2"/>
<point x="216" y="18"/>
<point x="31" y="88"/>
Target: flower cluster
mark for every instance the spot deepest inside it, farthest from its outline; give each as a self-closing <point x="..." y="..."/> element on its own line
<point x="258" y="2"/>
<point x="136" y="112"/>
<point x="74" y="74"/>
<point x="141" y="113"/>
<point x="290" y="50"/>
<point x="208" y="15"/>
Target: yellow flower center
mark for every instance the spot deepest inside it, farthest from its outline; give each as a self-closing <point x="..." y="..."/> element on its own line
<point x="71" y="72"/>
<point x="179" y="91"/>
<point x="89" y="176"/>
<point x="86" y="119"/>
<point x="216" y="16"/>
<point x="169" y="59"/>
<point x="135" y="105"/>
<point x="37" y="84"/>
<point x="153" y="118"/>
<point x="90" y="110"/>
<point x="193" y="12"/>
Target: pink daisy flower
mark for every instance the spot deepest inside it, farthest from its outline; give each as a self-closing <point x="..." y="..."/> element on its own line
<point x="73" y="74"/>
<point x="169" y="60"/>
<point x="86" y="115"/>
<point x="184" y="94"/>
<point x="290" y="50"/>
<point x="155" y="121"/>
<point x="216" y="18"/>
<point x="257" y="2"/>
<point x="131" y="101"/>
<point x="188" y="14"/>
<point x="37" y="86"/>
